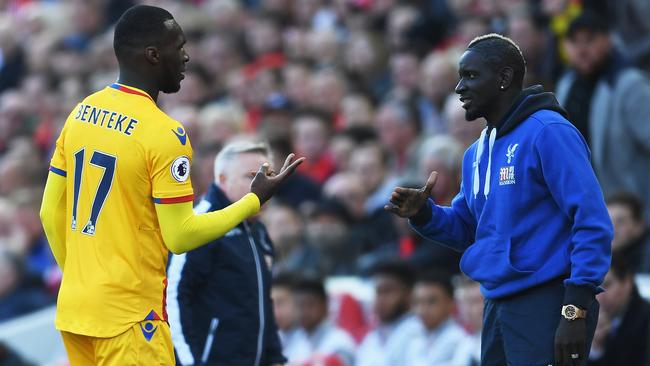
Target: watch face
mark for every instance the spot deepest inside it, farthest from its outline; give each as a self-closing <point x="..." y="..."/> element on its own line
<point x="570" y="312"/>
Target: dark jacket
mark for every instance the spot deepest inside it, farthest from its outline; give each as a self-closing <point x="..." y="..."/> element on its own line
<point x="628" y="343"/>
<point x="219" y="304"/>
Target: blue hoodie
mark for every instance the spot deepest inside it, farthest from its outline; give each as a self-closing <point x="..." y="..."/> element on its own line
<point x="530" y="209"/>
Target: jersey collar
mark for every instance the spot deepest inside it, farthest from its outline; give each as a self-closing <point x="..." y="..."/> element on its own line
<point x="131" y="90"/>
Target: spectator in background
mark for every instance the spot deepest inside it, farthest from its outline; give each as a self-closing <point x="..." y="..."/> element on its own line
<point x="441" y="153"/>
<point x="218" y="297"/>
<point x="438" y="341"/>
<point x="299" y="188"/>
<point x="18" y="293"/>
<point x="371" y="162"/>
<point x="318" y="341"/>
<point x="438" y="76"/>
<point x="607" y="101"/>
<point x="329" y="250"/>
<point x="370" y="233"/>
<point x="284" y="308"/>
<point x="398" y="127"/>
<point x="630" y="230"/>
<point x="469" y="301"/>
<point x="628" y="336"/>
<point x="465" y="133"/>
<point x="311" y="135"/>
<point x="286" y="229"/>
<point x="396" y="326"/>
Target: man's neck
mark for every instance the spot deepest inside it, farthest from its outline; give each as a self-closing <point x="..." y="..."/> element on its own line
<point x="503" y="107"/>
<point x="133" y="79"/>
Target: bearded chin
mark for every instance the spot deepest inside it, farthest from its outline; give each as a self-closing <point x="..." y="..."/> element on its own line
<point x="170" y="89"/>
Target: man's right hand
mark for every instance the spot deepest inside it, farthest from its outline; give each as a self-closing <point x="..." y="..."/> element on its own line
<point x="406" y="202"/>
<point x="266" y="182"/>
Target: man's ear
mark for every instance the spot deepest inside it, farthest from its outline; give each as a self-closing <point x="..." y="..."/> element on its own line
<point x="221" y="179"/>
<point x="152" y="54"/>
<point x="505" y="77"/>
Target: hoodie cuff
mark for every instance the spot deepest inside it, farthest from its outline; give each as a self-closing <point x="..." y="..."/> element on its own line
<point x="423" y="216"/>
<point x="580" y="296"/>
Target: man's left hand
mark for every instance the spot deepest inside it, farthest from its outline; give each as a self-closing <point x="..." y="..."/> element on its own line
<point x="570" y="340"/>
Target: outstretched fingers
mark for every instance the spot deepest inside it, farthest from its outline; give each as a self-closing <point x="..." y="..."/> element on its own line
<point x="285" y="172"/>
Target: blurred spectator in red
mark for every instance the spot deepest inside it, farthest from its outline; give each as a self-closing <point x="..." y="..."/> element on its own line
<point x="631" y="239"/>
<point x="311" y="136"/>
<point x="396" y="325"/>
<point x="627" y="339"/>
<point x="319" y="340"/>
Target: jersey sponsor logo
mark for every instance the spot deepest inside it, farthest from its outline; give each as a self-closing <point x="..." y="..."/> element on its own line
<point x="507" y="175"/>
<point x="182" y="136"/>
<point x="180" y="169"/>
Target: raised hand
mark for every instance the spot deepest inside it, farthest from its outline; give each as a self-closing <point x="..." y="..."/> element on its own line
<point x="266" y="182"/>
<point x="406" y="202"/>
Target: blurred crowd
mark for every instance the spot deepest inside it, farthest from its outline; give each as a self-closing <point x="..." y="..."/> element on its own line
<point x="364" y="89"/>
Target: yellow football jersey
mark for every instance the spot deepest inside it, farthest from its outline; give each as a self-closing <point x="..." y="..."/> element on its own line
<point x="120" y="154"/>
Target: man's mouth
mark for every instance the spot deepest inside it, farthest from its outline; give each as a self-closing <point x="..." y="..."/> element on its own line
<point x="466" y="101"/>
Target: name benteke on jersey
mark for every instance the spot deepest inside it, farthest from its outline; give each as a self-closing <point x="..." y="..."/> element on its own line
<point x="105" y="118"/>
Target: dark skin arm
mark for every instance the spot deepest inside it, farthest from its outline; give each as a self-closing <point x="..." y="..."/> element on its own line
<point x="406" y="202"/>
<point x="570" y="337"/>
<point x="266" y="182"/>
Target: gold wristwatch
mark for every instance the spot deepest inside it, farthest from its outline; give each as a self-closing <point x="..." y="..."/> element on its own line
<point x="572" y="312"/>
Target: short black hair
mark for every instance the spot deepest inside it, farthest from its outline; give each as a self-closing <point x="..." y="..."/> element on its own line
<point x="590" y="21"/>
<point x="620" y="267"/>
<point x="140" y="26"/>
<point x="401" y="270"/>
<point x="629" y="200"/>
<point x="437" y="278"/>
<point x="501" y="51"/>
<point x="310" y="285"/>
<point x="284" y="280"/>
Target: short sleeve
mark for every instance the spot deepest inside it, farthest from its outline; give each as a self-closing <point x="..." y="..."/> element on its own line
<point x="57" y="164"/>
<point x="171" y="160"/>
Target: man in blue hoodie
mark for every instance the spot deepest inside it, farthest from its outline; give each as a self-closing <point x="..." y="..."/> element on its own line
<point x="530" y="216"/>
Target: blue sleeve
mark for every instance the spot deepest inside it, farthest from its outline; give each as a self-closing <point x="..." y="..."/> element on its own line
<point x="566" y="169"/>
<point x="454" y="227"/>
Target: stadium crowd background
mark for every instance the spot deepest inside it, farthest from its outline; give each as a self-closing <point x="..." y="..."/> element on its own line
<point x="362" y="88"/>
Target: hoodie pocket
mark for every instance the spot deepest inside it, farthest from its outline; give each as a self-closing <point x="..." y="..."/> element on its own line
<point x="207" y="348"/>
<point x="488" y="262"/>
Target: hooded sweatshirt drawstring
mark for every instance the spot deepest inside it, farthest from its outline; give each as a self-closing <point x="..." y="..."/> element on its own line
<point x="479" y="153"/>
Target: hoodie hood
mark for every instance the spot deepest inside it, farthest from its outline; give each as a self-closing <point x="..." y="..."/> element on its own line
<point x="531" y="100"/>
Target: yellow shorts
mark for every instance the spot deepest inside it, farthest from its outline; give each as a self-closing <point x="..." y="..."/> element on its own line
<point x="146" y="343"/>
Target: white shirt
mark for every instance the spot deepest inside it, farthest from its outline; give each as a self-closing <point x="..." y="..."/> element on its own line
<point x="326" y="339"/>
<point x="440" y="347"/>
<point x="385" y="345"/>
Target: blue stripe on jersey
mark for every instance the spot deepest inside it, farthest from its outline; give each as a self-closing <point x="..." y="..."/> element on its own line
<point x="58" y="171"/>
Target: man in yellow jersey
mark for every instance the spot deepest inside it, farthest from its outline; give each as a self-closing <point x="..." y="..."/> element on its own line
<point x="119" y="196"/>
